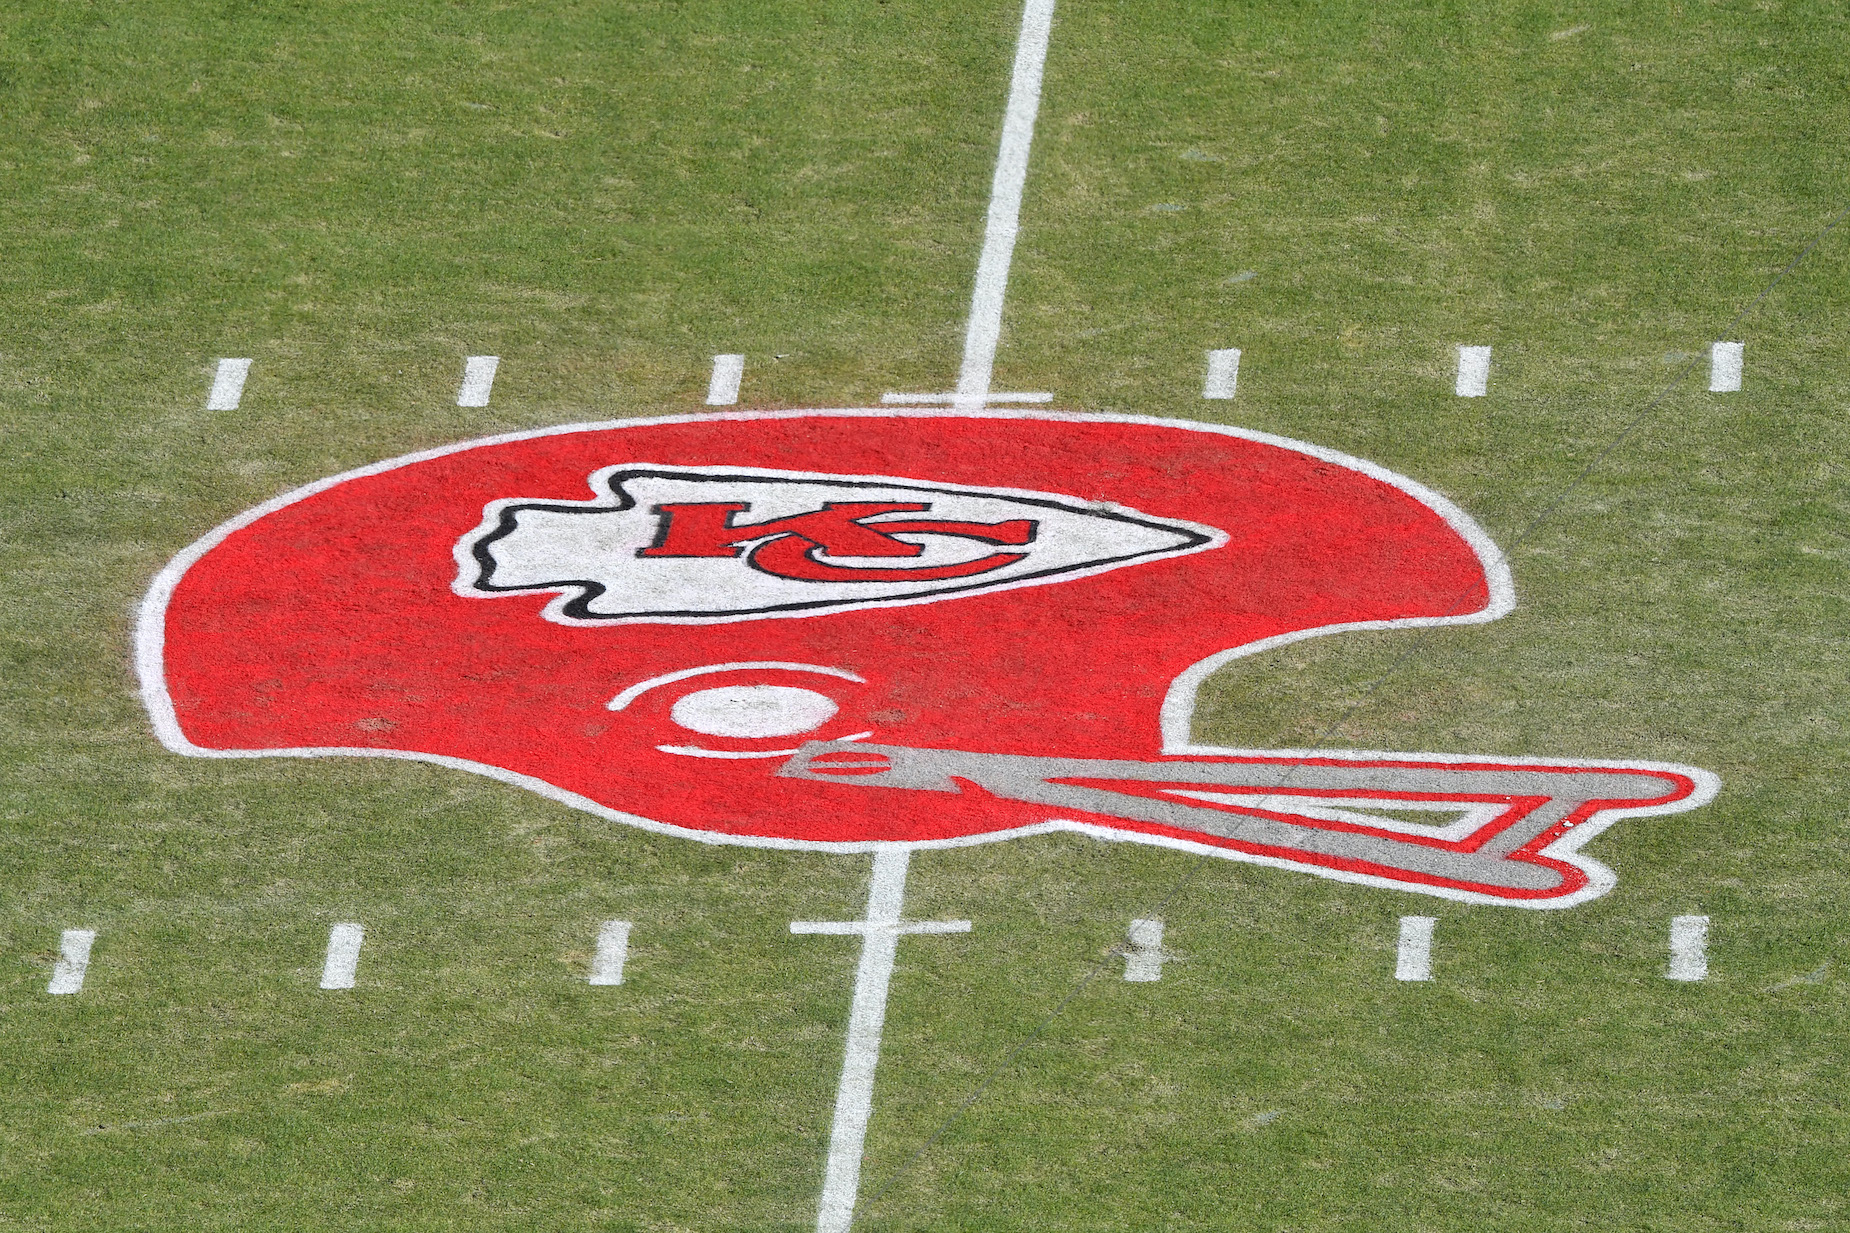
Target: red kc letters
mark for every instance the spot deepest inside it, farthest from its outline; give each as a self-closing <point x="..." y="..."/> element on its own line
<point x="790" y="546"/>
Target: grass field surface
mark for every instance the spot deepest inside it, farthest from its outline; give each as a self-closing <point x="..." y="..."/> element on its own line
<point x="607" y="195"/>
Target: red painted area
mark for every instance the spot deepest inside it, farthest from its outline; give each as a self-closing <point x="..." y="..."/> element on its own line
<point x="332" y="623"/>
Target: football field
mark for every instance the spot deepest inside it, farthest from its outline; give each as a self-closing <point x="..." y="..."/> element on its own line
<point x="1343" y="449"/>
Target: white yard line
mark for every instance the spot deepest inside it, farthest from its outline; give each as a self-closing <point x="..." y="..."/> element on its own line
<point x="613" y="947"/>
<point x="1725" y="367"/>
<point x="1414" y="960"/>
<point x="1689" y="948"/>
<point x="854" y="1098"/>
<point x="992" y="268"/>
<point x="881" y="930"/>
<point x="228" y="385"/>
<point x="1473" y="372"/>
<point x="478" y="380"/>
<point x="343" y="960"/>
<point x="1144" y="961"/>
<point x="723" y="387"/>
<point x="1223" y="373"/>
<point x="67" y="975"/>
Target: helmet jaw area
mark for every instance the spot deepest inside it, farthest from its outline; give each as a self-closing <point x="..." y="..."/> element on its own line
<point x="650" y="618"/>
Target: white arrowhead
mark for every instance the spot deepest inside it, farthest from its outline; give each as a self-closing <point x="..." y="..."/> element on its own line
<point x="592" y="552"/>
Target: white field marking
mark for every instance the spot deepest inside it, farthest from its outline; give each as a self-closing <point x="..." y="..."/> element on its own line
<point x="1725" y="367"/>
<point x="992" y="268"/>
<point x="478" y="380"/>
<point x="1473" y="372"/>
<point x="228" y="385"/>
<point x="1145" y="960"/>
<point x="753" y="712"/>
<point x="640" y="688"/>
<point x="699" y="751"/>
<point x="892" y="399"/>
<point x="1178" y="710"/>
<point x="67" y="975"/>
<point x="613" y="947"/>
<point x="343" y="960"/>
<point x="1689" y="948"/>
<point x="1414" y="960"/>
<point x="854" y="1099"/>
<point x="1223" y="374"/>
<point x="723" y="386"/>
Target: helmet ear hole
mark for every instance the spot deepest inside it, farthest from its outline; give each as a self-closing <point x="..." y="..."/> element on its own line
<point x="751" y="712"/>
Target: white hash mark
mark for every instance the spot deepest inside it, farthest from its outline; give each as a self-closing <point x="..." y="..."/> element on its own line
<point x="478" y="380"/>
<point x="1414" y="960"/>
<point x="1473" y="372"/>
<point x="1725" y="367"/>
<point x="1223" y="374"/>
<point x="343" y="960"/>
<point x="67" y="975"/>
<point x="723" y="388"/>
<point x="1144" y="961"/>
<point x="228" y="385"/>
<point x="1689" y="948"/>
<point x="613" y="945"/>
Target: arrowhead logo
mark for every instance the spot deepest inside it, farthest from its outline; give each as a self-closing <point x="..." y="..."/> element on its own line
<point x="699" y="544"/>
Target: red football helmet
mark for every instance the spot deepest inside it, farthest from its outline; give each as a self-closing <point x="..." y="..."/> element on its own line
<point x="835" y="629"/>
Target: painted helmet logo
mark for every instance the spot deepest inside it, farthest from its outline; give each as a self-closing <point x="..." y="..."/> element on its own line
<point x="689" y="544"/>
<point x="966" y="628"/>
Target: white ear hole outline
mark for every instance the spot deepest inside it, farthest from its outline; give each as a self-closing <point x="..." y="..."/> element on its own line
<point x="667" y="678"/>
<point x="695" y="751"/>
<point x="640" y="688"/>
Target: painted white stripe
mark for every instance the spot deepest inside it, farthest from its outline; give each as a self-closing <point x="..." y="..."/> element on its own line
<point x="723" y="388"/>
<point x="1145" y="960"/>
<point x="478" y="380"/>
<point x="228" y="385"/>
<point x="343" y="956"/>
<point x="67" y="975"/>
<point x="1473" y="371"/>
<point x="992" y="268"/>
<point x="1414" y="961"/>
<point x="1725" y="367"/>
<point x="1689" y="948"/>
<point x="892" y="399"/>
<point x="854" y="1098"/>
<point x="613" y="946"/>
<point x="1223" y="373"/>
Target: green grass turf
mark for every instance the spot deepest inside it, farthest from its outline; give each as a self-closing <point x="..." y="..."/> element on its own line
<point x="605" y="195"/>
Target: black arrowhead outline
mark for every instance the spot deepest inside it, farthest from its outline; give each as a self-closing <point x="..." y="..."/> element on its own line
<point x="578" y="609"/>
